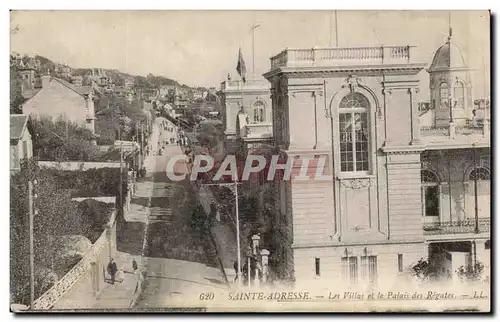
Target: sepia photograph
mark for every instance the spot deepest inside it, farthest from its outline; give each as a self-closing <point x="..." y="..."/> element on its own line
<point x="250" y="161"/>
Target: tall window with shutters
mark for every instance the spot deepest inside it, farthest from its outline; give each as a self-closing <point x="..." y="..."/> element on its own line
<point x="354" y="133"/>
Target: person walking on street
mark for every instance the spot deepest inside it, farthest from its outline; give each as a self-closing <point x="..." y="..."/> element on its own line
<point x="112" y="269"/>
<point x="235" y="265"/>
<point x="134" y="265"/>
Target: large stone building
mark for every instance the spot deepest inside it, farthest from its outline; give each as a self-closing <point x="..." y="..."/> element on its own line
<point x="400" y="192"/>
<point x="58" y="98"/>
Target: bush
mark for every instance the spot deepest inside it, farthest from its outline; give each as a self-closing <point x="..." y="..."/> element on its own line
<point x="470" y="273"/>
<point x="425" y="271"/>
<point x="62" y="140"/>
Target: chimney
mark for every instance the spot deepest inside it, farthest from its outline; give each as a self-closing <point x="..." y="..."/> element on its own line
<point x="45" y="80"/>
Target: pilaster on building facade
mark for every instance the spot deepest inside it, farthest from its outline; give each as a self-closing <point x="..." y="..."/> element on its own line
<point x="358" y="108"/>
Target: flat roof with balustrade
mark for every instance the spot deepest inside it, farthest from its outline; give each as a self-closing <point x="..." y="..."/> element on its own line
<point x="238" y="85"/>
<point x="337" y="56"/>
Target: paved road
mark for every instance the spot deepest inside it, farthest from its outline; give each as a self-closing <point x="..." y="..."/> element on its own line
<point x="178" y="259"/>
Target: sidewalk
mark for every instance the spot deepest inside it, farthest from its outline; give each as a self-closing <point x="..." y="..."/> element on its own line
<point x="121" y="294"/>
<point x="224" y="235"/>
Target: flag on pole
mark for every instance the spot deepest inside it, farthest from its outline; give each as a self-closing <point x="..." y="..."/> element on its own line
<point x="240" y="68"/>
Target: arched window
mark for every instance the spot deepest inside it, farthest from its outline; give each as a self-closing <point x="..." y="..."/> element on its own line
<point x="427" y="176"/>
<point x="479" y="174"/>
<point x="430" y="193"/>
<point x="354" y="133"/>
<point x="443" y="95"/>
<point x="459" y="94"/>
<point x="478" y="193"/>
<point x="258" y="112"/>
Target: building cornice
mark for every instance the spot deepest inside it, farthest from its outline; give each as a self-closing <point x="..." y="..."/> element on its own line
<point x="359" y="70"/>
<point x="354" y="244"/>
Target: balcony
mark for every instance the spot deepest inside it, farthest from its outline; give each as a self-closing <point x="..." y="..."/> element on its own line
<point x="457" y="134"/>
<point x="467" y="226"/>
<point x="257" y="132"/>
<point x="343" y="56"/>
<point x="238" y="85"/>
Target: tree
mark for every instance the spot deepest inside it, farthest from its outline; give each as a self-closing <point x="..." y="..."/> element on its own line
<point x="16" y="97"/>
<point x="57" y="216"/>
<point x="63" y="140"/>
<point x="115" y="114"/>
<point x="52" y="205"/>
<point x="209" y="135"/>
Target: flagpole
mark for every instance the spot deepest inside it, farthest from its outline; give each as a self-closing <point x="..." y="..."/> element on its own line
<point x="255" y="26"/>
<point x="336" y="29"/>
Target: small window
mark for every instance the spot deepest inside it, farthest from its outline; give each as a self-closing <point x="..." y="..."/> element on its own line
<point x="400" y="263"/>
<point x="317" y="265"/>
<point x="25" y="153"/>
<point x="372" y="269"/>
<point x="487" y="245"/>
<point x="350" y="269"/>
<point x="258" y="112"/>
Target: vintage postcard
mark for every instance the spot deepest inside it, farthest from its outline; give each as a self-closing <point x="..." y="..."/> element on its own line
<point x="250" y="161"/>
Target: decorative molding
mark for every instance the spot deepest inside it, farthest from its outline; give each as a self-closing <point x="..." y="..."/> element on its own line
<point x="357" y="183"/>
<point x="352" y="82"/>
<point x="413" y="90"/>
<point x="411" y="149"/>
<point x="387" y="91"/>
<point x="293" y="93"/>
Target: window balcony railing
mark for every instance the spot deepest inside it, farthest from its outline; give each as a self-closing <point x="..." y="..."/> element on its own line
<point x="340" y="56"/>
<point x="457" y="227"/>
<point x="257" y="131"/>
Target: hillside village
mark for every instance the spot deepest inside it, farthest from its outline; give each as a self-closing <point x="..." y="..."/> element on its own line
<point x="80" y="139"/>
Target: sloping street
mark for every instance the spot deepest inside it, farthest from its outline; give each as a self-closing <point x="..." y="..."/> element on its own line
<point x="178" y="259"/>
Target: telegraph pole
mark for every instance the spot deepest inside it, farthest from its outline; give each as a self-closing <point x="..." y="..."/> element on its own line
<point x="121" y="169"/>
<point x="238" y="246"/>
<point x="31" y="241"/>
<point x="142" y="145"/>
<point x="234" y="185"/>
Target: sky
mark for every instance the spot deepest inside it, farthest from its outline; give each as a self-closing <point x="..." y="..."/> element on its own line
<point x="199" y="48"/>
